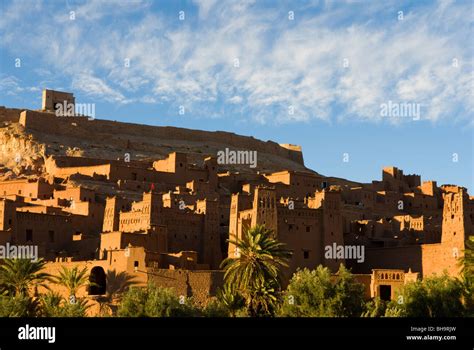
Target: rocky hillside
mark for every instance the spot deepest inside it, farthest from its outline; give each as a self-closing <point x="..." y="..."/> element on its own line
<point x="24" y="146"/>
<point x="20" y="153"/>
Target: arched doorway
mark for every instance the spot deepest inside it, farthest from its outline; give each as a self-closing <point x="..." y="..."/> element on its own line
<point x="98" y="281"/>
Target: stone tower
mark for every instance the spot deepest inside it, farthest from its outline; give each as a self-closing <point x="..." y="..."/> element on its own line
<point x="152" y="204"/>
<point x="51" y="98"/>
<point x="456" y="221"/>
<point x="235" y="207"/>
<point x="7" y="214"/>
<point x="265" y="209"/>
<point x="113" y="206"/>
<point x="234" y="215"/>
<point x="329" y="201"/>
<point x="210" y="251"/>
<point x="210" y="164"/>
<point x="245" y="213"/>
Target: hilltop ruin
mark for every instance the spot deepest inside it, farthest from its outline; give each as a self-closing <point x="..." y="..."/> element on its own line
<point x="156" y="203"/>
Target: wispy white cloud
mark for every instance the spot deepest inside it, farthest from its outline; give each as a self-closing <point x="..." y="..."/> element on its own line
<point x="236" y="99"/>
<point x="94" y="10"/>
<point x="342" y="61"/>
<point x="12" y="86"/>
<point x="93" y="86"/>
<point x="205" y="6"/>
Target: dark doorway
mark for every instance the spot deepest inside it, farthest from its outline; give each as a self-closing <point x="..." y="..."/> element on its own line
<point x="305" y="254"/>
<point x="385" y="292"/>
<point x="29" y="235"/>
<point x="98" y="281"/>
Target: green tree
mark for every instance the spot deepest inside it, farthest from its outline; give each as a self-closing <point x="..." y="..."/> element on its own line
<point x="50" y="303"/>
<point x="53" y="305"/>
<point x="375" y="308"/>
<point x="467" y="290"/>
<point x="438" y="296"/>
<point x="467" y="261"/>
<point x="349" y="296"/>
<point x="257" y="272"/>
<point x="315" y="293"/>
<point x="76" y="309"/>
<point x="467" y="277"/>
<point x="153" y="301"/>
<point x="18" y="276"/>
<point x="264" y="299"/>
<point x="18" y="306"/>
<point x="231" y="299"/>
<point x="117" y="283"/>
<point x="72" y="279"/>
<point x="215" y="308"/>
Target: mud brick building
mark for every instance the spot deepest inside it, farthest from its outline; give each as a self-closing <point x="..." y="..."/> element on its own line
<point x="154" y="203"/>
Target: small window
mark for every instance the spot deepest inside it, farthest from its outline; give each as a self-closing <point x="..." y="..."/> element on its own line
<point x="51" y="236"/>
<point x="29" y="235"/>
<point x="308" y="228"/>
<point x="305" y="254"/>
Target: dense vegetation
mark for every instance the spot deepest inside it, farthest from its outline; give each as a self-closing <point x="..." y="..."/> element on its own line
<point x="252" y="288"/>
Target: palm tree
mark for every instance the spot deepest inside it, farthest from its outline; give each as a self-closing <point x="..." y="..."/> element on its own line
<point x="264" y="300"/>
<point x="53" y="305"/>
<point x="73" y="279"/>
<point x="50" y="303"/>
<point x="116" y="285"/>
<point x="257" y="272"/>
<point x="231" y="299"/>
<point x="467" y="261"/>
<point x="18" y="276"/>
<point x="466" y="283"/>
<point x="466" y="279"/>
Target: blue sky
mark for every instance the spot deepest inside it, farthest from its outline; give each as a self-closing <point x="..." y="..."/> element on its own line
<point x="313" y="73"/>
